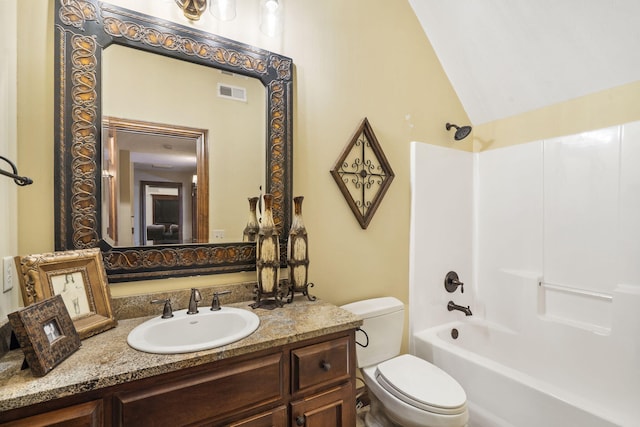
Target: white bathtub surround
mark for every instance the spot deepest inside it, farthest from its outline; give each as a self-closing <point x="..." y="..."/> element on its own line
<point x="555" y="244"/>
<point x="441" y="224"/>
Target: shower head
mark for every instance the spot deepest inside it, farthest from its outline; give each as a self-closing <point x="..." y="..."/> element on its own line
<point x="461" y="132"/>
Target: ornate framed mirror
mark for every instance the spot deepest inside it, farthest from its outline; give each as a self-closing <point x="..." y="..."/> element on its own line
<point x="84" y="29"/>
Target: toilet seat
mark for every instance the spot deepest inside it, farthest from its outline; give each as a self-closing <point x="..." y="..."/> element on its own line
<point x="404" y="377"/>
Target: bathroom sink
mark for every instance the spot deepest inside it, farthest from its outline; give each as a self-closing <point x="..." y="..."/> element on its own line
<point x="185" y="333"/>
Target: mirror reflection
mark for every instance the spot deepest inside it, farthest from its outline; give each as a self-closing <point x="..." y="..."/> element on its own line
<point x="183" y="149"/>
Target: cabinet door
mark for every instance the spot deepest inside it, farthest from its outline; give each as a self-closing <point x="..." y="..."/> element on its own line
<point x="335" y="407"/>
<point x="274" y="418"/>
<point x="89" y="414"/>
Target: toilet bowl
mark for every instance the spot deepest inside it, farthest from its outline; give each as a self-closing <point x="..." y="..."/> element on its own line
<point x="407" y="391"/>
<point x="415" y="393"/>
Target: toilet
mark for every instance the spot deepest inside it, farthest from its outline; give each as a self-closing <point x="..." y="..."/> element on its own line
<point x="407" y="391"/>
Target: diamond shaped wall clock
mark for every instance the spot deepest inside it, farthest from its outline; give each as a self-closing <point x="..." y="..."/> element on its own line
<point x="363" y="173"/>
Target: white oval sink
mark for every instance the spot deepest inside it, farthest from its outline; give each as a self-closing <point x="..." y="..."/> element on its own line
<point x="185" y="333"/>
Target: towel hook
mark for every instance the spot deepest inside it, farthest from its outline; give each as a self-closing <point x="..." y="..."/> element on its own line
<point x="19" y="180"/>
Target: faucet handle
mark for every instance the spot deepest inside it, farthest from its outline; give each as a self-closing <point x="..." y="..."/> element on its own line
<point x="451" y="282"/>
<point x="215" y="304"/>
<point x="167" y="311"/>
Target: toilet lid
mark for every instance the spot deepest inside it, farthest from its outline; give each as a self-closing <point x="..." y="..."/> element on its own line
<point x="421" y="384"/>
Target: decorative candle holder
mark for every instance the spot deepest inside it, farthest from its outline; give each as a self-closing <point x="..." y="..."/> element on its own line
<point x="267" y="293"/>
<point x="298" y="254"/>
<point x="250" y="232"/>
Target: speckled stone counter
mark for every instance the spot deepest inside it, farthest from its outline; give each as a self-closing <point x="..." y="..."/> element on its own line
<point x="106" y="359"/>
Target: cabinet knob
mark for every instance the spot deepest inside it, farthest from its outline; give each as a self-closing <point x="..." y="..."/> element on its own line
<point x="300" y="419"/>
<point x="325" y="366"/>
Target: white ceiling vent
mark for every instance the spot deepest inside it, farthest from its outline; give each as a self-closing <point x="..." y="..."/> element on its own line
<point x="232" y="92"/>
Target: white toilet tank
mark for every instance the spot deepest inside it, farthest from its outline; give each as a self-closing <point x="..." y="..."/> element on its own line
<point x="383" y="321"/>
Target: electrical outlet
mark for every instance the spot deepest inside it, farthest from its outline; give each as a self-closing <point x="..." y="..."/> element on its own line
<point x="218" y="234"/>
<point x="8" y="275"/>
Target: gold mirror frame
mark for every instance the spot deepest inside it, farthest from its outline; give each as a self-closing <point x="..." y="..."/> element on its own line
<point x="83" y="28"/>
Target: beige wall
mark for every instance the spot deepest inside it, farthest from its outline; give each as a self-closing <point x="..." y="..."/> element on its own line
<point x="8" y="146"/>
<point x="347" y="66"/>
<point x="595" y="111"/>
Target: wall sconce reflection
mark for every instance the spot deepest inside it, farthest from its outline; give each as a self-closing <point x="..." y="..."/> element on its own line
<point x="271" y="17"/>
<point x="225" y="10"/>
<point x="192" y="9"/>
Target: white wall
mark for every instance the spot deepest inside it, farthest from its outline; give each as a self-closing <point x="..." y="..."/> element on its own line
<point x="8" y="149"/>
<point x="441" y="231"/>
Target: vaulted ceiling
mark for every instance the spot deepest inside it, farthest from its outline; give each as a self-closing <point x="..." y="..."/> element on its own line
<point x="505" y="57"/>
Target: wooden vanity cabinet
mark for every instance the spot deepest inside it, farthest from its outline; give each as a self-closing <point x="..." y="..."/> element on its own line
<point x="333" y="407"/>
<point x="322" y="384"/>
<point x="88" y="414"/>
<point x="213" y="394"/>
<point x="308" y="383"/>
<point x="271" y="418"/>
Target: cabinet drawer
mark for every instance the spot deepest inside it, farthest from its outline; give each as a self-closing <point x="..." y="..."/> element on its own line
<point x="275" y="418"/>
<point x="88" y="414"/>
<point x="320" y="365"/>
<point x="209" y="396"/>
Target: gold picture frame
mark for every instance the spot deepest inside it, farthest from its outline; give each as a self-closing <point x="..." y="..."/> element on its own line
<point x="79" y="277"/>
<point x="46" y="334"/>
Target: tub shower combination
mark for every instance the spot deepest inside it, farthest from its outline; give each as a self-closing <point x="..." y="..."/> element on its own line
<point x="543" y="373"/>
<point x="548" y="233"/>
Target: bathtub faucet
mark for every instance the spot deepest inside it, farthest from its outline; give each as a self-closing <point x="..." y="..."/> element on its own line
<point x="466" y="310"/>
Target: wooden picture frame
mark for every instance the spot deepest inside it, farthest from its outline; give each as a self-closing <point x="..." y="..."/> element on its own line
<point x="46" y="334"/>
<point x="79" y="277"/>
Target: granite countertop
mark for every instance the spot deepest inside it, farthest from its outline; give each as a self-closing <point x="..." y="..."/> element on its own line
<point x="106" y="359"/>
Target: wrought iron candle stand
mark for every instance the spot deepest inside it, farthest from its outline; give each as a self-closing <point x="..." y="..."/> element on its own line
<point x="298" y="255"/>
<point x="268" y="293"/>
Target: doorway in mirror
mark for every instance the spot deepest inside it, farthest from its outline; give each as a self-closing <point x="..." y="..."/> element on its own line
<point x="146" y="166"/>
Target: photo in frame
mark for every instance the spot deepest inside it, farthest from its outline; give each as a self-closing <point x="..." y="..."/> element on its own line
<point x="46" y="334"/>
<point x="80" y="279"/>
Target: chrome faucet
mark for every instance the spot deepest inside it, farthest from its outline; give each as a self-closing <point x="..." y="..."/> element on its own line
<point x="193" y="301"/>
<point x="466" y="310"/>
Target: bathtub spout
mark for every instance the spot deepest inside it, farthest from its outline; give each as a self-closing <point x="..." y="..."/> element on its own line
<point x="466" y="310"/>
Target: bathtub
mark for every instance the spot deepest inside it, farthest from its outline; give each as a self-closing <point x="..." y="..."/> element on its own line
<point x="510" y="380"/>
